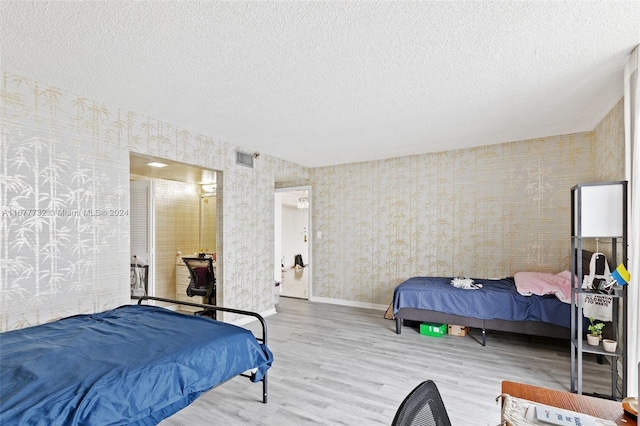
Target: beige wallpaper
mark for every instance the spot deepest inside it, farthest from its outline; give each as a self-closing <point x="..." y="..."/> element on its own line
<point x="177" y="207"/>
<point x="484" y="212"/>
<point x="208" y="224"/>
<point x="69" y="155"/>
<point x="609" y="145"/>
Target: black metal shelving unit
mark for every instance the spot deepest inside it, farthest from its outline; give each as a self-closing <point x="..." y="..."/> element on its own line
<point x="585" y="226"/>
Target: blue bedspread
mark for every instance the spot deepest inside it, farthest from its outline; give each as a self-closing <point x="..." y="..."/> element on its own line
<point x="131" y="365"/>
<point x="497" y="299"/>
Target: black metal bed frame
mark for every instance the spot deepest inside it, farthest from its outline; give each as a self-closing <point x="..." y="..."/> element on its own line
<point x="262" y="339"/>
<point x="531" y="328"/>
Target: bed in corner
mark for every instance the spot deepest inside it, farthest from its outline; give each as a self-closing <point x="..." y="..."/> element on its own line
<point x="497" y="305"/>
<point x="532" y="303"/>
<point x="136" y="364"/>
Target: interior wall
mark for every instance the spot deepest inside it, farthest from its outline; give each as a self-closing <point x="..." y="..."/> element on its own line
<point x="608" y="135"/>
<point x="65" y="231"/>
<point x="485" y="212"/>
<point x="208" y="221"/>
<point x="177" y="220"/>
<point x="277" y="241"/>
<point x="65" y="152"/>
<point x="609" y="158"/>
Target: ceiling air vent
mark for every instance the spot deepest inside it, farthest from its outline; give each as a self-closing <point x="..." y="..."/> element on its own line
<point x="244" y="159"/>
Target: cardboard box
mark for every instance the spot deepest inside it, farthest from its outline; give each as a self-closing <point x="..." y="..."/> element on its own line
<point x="458" y="330"/>
<point x="433" y="330"/>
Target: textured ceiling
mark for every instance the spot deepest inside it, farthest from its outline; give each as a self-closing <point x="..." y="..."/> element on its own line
<point x="321" y="83"/>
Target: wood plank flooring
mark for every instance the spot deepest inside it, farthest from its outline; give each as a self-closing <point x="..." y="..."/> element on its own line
<point x="339" y="365"/>
<point x="295" y="283"/>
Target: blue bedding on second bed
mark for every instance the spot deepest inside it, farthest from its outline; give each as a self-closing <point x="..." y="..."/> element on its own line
<point x="497" y="299"/>
<point x="129" y="365"/>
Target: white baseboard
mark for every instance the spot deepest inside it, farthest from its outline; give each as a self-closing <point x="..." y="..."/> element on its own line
<point x="349" y="303"/>
<point x="248" y="319"/>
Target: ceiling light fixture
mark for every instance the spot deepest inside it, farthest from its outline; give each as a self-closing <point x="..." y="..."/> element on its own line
<point x="157" y="164"/>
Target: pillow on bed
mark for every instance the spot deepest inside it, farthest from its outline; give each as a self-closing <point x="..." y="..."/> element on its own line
<point x="542" y="283"/>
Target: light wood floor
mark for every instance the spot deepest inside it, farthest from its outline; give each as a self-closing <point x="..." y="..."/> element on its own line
<point x="339" y="365"/>
<point x="295" y="283"/>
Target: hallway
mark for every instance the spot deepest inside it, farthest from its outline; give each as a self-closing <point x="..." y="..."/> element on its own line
<point x="295" y="282"/>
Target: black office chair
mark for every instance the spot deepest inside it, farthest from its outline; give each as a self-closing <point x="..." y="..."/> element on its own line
<point x="203" y="281"/>
<point x="422" y="407"/>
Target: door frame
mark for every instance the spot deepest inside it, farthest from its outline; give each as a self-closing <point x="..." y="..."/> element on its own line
<point x="278" y="228"/>
<point x="151" y="241"/>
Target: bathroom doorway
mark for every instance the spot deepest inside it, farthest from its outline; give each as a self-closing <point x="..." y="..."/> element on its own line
<point x="292" y="260"/>
<point x="182" y="207"/>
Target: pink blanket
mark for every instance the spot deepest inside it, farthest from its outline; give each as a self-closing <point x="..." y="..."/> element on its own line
<point x="541" y="283"/>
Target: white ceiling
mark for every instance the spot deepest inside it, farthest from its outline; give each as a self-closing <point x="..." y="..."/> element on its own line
<point x="321" y="83"/>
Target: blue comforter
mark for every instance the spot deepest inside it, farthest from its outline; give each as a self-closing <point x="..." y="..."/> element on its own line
<point x="497" y="299"/>
<point x="130" y="365"/>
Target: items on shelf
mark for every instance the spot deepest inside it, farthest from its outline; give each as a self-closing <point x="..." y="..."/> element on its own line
<point x="621" y="275"/>
<point x="601" y="295"/>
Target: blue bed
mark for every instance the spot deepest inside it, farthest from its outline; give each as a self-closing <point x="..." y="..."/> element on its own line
<point x="495" y="306"/>
<point x="136" y="364"/>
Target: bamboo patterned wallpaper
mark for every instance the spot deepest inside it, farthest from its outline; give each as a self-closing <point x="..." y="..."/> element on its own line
<point x="64" y="179"/>
<point x="485" y="212"/>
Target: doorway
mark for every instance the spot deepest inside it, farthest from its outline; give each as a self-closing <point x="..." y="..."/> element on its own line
<point x="182" y="208"/>
<point x="292" y="261"/>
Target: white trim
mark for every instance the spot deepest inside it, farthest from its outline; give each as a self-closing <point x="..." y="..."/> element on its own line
<point x="632" y="173"/>
<point x="249" y="319"/>
<point x="351" y="303"/>
<point x="309" y="231"/>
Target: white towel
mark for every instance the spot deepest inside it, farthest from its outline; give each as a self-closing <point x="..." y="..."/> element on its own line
<point x="465" y="283"/>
